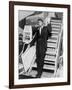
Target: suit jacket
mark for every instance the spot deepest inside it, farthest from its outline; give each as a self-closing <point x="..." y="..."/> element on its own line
<point x="41" y="39"/>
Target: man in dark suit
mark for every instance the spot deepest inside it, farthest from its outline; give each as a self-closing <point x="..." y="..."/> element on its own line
<point x="41" y="33"/>
<point x="41" y="36"/>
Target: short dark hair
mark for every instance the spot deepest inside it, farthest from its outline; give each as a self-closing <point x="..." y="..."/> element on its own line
<point x="20" y="35"/>
<point x="40" y="20"/>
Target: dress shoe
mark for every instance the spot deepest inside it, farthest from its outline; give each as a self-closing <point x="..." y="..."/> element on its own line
<point x="38" y="76"/>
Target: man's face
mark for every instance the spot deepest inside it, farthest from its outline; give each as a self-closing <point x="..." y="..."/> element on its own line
<point x="40" y="23"/>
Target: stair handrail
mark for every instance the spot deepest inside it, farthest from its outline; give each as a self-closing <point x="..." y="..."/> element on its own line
<point x="58" y="48"/>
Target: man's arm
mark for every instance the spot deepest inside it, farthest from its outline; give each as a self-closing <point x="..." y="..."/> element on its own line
<point x="49" y="29"/>
<point x="22" y="23"/>
<point x="35" y="36"/>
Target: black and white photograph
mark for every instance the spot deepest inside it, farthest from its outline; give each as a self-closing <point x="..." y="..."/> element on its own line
<point x="39" y="44"/>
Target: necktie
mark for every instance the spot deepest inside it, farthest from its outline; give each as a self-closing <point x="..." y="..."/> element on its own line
<point x="40" y="30"/>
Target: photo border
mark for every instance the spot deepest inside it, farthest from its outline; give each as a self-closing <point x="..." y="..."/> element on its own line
<point x="11" y="43"/>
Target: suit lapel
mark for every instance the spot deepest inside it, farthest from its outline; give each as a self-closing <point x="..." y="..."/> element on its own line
<point x="42" y="31"/>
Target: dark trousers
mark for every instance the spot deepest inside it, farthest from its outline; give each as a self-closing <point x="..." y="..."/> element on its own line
<point x="40" y="61"/>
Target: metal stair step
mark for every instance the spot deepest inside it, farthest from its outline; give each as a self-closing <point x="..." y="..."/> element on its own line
<point x="33" y="73"/>
<point x="55" y="26"/>
<point x="55" y="29"/>
<point x="51" y="49"/>
<point x="54" y="36"/>
<point x="49" y="67"/>
<point x="52" y="45"/>
<point x="51" y="52"/>
<point x="55" y="32"/>
<point x="46" y="66"/>
<point x="55" y="23"/>
<point x="52" y="40"/>
<point x="56" y="18"/>
<point x="49" y="62"/>
<point x="49" y="58"/>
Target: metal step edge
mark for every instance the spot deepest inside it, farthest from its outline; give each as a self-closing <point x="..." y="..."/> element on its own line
<point x="56" y="29"/>
<point x="52" y="45"/>
<point x="55" y="26"/>
<point x="55" y="32"/>
<point x="58" y="21"/>
<point x="54" y="36"/>
<point x="51" y="40"/>
<point x="51" y="52"/>
<point x="46" y="67"/>
<point x="49" y="62"/>
<point x="55" y="23"/>
<point x="49" y="59"/>
<point x="56" y="18"/>
<point x="54" y="48"/>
